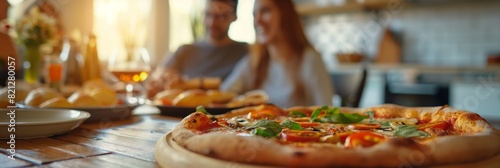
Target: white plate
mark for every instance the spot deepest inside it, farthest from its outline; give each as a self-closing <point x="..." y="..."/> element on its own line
<point x="38" y="123"/>
<point x="105" y="113"/>
<point x="118" y="112"/>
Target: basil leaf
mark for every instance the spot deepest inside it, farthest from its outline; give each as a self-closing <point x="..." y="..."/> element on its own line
<point x="407" y="131"/>
<point x="370" y="114"/>
<point x="318" y="111"/>
<point x="297" y="114"/>
<point x="202" y="109"/>
<point x="330" y="112"/>
<point x="385" y="124"/>
<point x="269" y="125"/>
<point x="262" y="132"/>
<point x="291" y="125"/>
<point x="344" y="118"/>
<point x="321" y="120"/>
<point x="334" y="116"/>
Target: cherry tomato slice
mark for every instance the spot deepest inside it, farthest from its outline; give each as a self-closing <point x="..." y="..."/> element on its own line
<point x="300" y="136"/>
<point x="436" y="125"/>
<point x="308" y="112"/>
<point x="201" y="122"/>
<point x="363" y="139"/>
<point x="343" y="136"/>
<point x="303" y="119"/>
<point x="214" y="124"/>
<point x="223" y="122"/>
<point x="340" y="133"/>
<point x="308" y="124"/>
<point x="365" y="126"/>
<point x="262" y="114"/>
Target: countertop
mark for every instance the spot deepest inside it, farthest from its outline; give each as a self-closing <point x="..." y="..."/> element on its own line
<point x="378" y="68"/>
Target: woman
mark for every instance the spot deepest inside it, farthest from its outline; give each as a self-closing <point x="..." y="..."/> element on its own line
<point x="282" y="62"/>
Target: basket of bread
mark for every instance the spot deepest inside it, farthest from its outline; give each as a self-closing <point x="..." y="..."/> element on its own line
<point x="95" y="96"/>
<point x="182" y="99"/>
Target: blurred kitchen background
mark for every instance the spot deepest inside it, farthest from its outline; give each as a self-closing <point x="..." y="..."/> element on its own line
<point x="414" y="53"/>
<point x="417" y="53"/>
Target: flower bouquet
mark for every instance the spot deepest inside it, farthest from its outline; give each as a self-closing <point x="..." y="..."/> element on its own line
<point x="31" y="32"/>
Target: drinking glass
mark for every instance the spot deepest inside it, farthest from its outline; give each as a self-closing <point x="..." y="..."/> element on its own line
<point x="53" y="70"/>
<point x="132" y="68"/>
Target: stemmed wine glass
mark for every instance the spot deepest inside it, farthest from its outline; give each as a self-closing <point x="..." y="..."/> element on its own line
<point x="132" y="68"/>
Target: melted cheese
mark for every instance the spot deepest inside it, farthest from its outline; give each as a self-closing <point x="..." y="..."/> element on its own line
<point x="240" y="121"/>
<point x="407" y="121"/>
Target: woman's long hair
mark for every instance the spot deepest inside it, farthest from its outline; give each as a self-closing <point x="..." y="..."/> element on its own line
<point x="295" y="39"/>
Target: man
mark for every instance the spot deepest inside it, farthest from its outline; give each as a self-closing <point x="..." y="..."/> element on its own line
<point x="214" y="56"/>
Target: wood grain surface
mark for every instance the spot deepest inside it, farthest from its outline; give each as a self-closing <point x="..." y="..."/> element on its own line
<point x="105" y="143"/>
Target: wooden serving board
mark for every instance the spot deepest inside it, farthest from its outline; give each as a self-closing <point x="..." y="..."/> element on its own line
<point x="169" y="154"/>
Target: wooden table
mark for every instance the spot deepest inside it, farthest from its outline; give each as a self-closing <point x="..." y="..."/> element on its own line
<point x="118" y="143"/>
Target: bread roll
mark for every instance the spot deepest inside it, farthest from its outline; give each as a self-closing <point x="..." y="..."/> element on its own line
<point x="211" y="83"/>
<point x="68" y="90"/>
<point x="82" y="100"/>
<point x="4" y="99"/>
<point x="167" y="97"/>
<point x="194" y="83"/>
<point x="250" y="98"/>
<point x="238" y="102"/>
<point x="19" y="94"/>
<point x="104" y="96"/>
<point x="40" y="95"/>
<point x="57" y="102"/>
<point x="221" y="97"/>
<point x="198" y="83"/>
<point x="4" y="104"/>
<point x="192" y="98"/>
<point x="23" y="89"/>
<point x="255" y="97"/>
<point x="94" y="84"/>
<point x="76" y="94"/>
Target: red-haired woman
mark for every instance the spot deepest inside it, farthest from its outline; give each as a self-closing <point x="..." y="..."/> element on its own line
<point x="282" y="62"/>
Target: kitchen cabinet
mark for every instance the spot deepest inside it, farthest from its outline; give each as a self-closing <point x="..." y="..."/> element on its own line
<point x="410" y="79"/>
<point x="317" y="7"/>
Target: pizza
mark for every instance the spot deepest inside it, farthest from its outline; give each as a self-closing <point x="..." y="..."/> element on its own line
<point x="382" y="136"/>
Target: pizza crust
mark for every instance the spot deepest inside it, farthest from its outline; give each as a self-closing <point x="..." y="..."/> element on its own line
<point x="246" y="110"/>
<point x="479" y="141"/>
<point x="464" y="121"/>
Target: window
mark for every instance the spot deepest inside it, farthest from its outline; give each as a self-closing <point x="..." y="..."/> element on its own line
<point x="144" y="20"/>
<point x="116" y="21"/>
<point x="242" y="29"/>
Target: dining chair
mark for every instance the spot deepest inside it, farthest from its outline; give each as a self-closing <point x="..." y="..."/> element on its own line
<point x="350" y="86"/>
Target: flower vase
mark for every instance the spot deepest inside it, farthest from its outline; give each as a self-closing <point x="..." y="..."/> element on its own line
<point x="31" y="63"/>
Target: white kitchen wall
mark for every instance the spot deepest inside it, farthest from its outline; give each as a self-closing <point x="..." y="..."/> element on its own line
<point x="450" y="34"/>
<point x="478" y="96"/>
